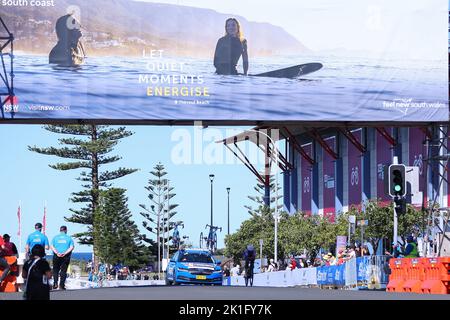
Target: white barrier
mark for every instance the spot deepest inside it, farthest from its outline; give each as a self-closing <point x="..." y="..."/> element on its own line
<point x="76" y="283"/>
<point x="351" y="279"/>
<point x="131" y="283"/>
<point x="285" y="278"/>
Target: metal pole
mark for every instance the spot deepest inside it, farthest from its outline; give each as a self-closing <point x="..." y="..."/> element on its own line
<point x="228" y="191"/>
<point x="211" y="178"/>
<point x="168" y="219"/>
<point x="158" y="240"/>
<point x="395" y="225"/>
<point x="395" y="161"/>
<point x="349" y="230"/>
<point x="362" y="235"/>
<point x="260" y="253"/>
<point x="276" y="210"/>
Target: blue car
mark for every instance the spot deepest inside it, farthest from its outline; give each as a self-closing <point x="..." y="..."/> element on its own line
<point x="195" y="266"/>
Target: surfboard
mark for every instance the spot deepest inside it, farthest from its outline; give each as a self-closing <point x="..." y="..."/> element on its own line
<point x="291" y="72"/>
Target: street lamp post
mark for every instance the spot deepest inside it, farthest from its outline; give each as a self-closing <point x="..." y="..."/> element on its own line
<point x="168" y="221"/>
<point x="211" y="178"/>
<point x="228" y="192"/>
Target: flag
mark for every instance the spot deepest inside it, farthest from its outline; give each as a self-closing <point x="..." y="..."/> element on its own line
<point x="44" y="221"/>
<point x="18" y="217"/>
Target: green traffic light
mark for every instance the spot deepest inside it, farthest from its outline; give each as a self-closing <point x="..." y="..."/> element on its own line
<point x="397" y="188"/>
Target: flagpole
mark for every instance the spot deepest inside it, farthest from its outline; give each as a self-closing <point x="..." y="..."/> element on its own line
<point x="20" y="226"/>
<point x="44" y="222"/>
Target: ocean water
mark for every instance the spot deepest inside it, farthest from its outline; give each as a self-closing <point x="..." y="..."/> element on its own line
<point x="86" y="256"/>
<point x="345" y="89"/>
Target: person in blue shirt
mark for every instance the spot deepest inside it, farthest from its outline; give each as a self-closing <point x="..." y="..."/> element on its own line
<point x="62" y="247"/>
<point x="37" y="237"/>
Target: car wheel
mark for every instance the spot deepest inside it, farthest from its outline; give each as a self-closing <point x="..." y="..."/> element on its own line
<point x="168" y="282"/>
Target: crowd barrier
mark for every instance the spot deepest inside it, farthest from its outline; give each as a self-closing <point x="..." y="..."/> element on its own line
<point x="286" y="278"/>
<point x="130" y="283"/>
<point x="357" y="273"/>
<point x="420" y="275"/>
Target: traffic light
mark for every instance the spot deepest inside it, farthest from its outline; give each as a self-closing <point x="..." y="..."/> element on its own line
<point x="399" y="205"/>
<point x="397" y="180"/>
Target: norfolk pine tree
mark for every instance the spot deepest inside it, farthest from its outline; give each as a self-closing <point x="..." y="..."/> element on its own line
<point x="89" y="146"/>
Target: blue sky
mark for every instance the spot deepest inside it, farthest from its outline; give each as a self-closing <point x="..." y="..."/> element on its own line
<point x="414" y="29"/>
<point x="26" y="177"/>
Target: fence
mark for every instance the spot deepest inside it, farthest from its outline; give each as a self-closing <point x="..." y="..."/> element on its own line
<point x="358" y="273"/>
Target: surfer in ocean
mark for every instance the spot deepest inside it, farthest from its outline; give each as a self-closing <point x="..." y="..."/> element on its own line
<point x="69" y="50"/>
<point x="230" y="48"/>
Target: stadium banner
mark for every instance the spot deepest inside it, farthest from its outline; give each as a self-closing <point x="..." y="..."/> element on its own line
<point x="354" y="172"/>
<point x="306" y="180"/>
<point x="188" y="60"/>
<point x="329" y="181"/>
<point x="384" y="158"/>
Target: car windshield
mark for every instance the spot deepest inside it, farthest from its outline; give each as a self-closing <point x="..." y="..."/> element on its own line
<point x="195" y="257"/>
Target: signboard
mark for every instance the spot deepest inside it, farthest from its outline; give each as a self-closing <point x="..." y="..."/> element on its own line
<point x="363" y="222"/>
<point x="184" y="60"/>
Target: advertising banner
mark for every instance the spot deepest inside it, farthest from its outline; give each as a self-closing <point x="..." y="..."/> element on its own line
<point x="361" y="268"/>
<point x="341" y="243"/>
<point x="417" y="154"/>
<point x="329" y="182"/>
<point x="354" y="172"/>
<point x="384" y="158"/>
<point x="187" y="60"/>
<point x="306" y="180"/>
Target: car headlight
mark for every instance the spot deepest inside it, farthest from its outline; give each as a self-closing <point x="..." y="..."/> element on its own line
<point x="218" y="271"/>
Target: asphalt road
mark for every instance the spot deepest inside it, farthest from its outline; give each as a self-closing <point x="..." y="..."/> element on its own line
<point x="225" y="293"/>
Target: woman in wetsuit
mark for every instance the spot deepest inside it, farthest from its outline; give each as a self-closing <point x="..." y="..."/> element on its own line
<point x="230" y="48"/>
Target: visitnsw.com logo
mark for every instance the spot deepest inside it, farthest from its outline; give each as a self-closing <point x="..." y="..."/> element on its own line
<point x="11" y="104"/>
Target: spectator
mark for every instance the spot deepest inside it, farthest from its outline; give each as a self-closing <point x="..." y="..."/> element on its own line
<point x="226" y="271"/>
<point x="62" y="247"/>
<point x="37" y="237"/>
<point x="396" y="251"/>
<point x="37" y="273"/>
<point x="317" y="262"/>
<point x="3" y="263"/>
<point x="89" y="266"/>
<point x="357" y="251"/>
<point x="341" y="256"/>
<point x="292" y="263"/>
<point x="10" y="247"/>
<point x="365" y="251"/>
<point x="332" y="261"/>
<point x="281" y="265"/>
<point x="235" y="271"/>
<point x="272" y="266"/>
<point x="351" y="253"/>
<point x="411" y="250"/>
<point x="301" y="263"/>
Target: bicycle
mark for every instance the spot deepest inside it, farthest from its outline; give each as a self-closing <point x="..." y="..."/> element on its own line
<point x="249" y="265"/>
<point x="211" y="239"/>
